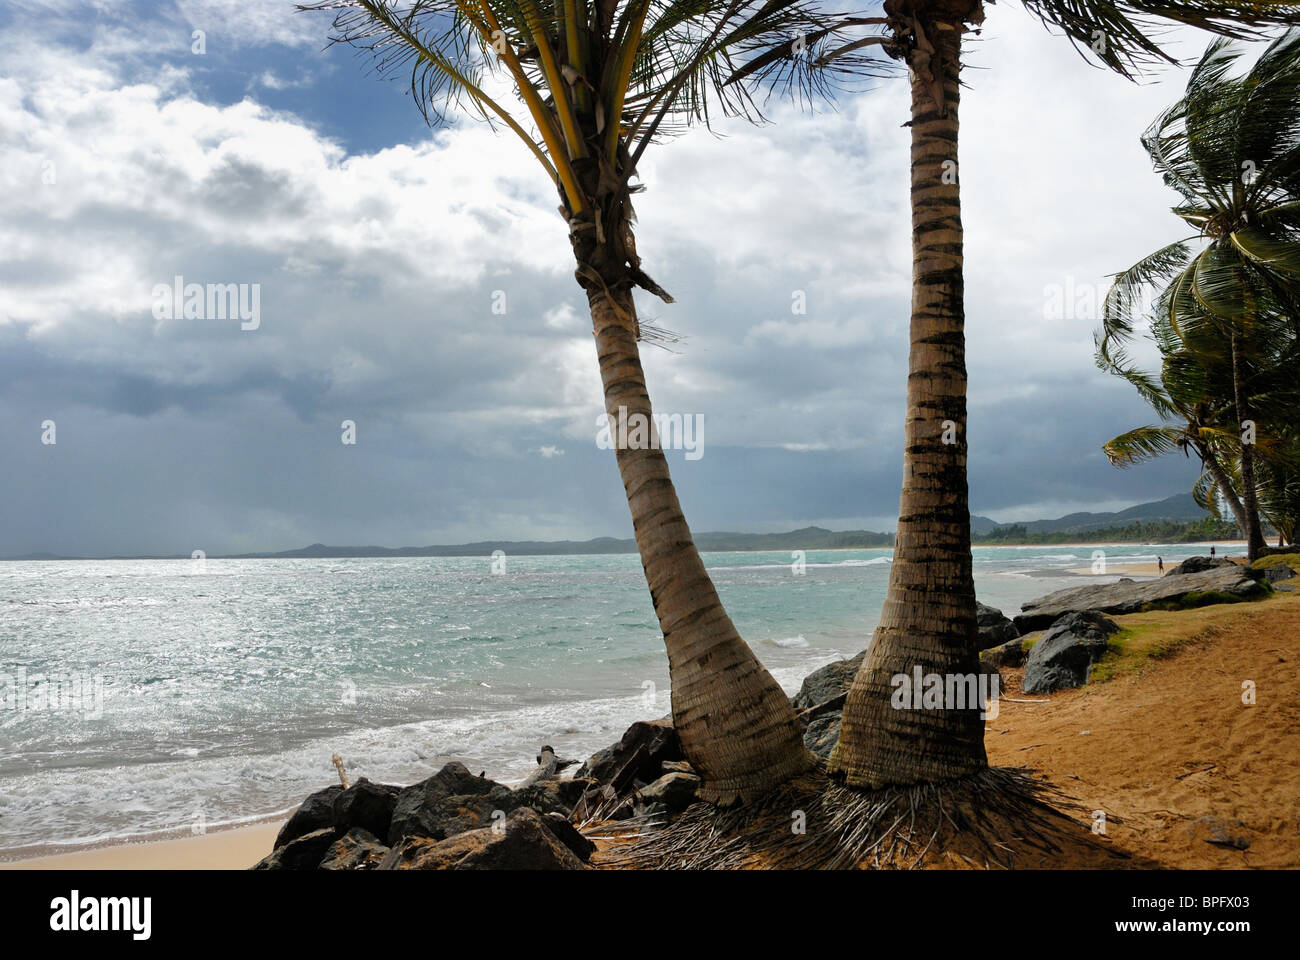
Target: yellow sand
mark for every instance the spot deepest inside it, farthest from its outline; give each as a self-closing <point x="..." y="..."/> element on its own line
<point x="235" y="849"/>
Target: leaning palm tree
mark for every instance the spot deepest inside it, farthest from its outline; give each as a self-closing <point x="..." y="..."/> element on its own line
<point x="928" y="619"/>
<point x="1193" y="422"/>
<point x="595" y="82"/>
<point x="1231" y="147"/>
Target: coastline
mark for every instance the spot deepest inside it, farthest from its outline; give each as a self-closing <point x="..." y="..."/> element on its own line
<point x="236" y="847"/>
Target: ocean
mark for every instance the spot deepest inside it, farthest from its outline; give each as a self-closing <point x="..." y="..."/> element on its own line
<point x="200" y="693"/>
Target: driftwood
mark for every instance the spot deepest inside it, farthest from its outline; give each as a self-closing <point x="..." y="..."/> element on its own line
<point x="548" y="768"/>
<point x="338" y="764"/>
<point x="834" y="703"/>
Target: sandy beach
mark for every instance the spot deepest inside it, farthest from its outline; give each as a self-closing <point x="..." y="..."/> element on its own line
<point x="235" y="849"/>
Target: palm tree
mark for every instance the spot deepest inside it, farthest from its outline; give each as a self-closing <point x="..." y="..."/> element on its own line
<point x="928" y="619"/>
<point x="1193" y="424"/>
<point x="1229" y="146"/>
<point x="1196" y="420"/>
<point x="597" y="82"/>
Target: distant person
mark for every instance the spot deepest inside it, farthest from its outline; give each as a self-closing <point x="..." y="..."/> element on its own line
<point x="1160" y="564"/>
<point x="1211" y="551"/>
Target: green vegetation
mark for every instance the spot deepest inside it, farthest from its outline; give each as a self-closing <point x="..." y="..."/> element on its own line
<point x="1129" y="649"/>
<point x="1200" y="598"/>
<point x="1155" y="531"/>
<point x="1226" y="298"/>
<point x="1291" y="560"/>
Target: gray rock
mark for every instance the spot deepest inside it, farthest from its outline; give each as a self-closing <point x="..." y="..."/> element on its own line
<point x="314" y="813"/>
<point x="828" y="682"/>
<point x="357" y="849"/>
<point x="995" y="629"/>
<point x="1278" y="573"/>
<point x="1064" y="655"/>
<point x="639" y="755"/>
<point x="676" y="791"/>
<point x="302" y="853"/>
<point x="366" y="805"/>
<point x="1198" y="565"/>
<point x="1009" y="654"/>
<point x="1221" y="833"/>
<point x="823" y="733"/>
<point x="525" y="843"/>
<point x="568" y="835"/>
<point x="1129" y="596"/>
<point x="420" y="809"/>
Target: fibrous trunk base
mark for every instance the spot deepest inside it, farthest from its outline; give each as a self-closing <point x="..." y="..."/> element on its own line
<point x="999" y="818"/>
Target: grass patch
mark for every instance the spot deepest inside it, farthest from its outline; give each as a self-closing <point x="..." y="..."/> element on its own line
<point x="1128" y="650"/>
<point x="1199" y="598"/>
<point x="1291" y="560"/>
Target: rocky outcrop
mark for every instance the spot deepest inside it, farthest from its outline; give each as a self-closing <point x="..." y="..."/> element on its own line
<point x="301" y="853"/>
<point x="1129" y="596"/>
<point x="1278" y="572"/>
<point x="1009" y="654"/>
<point x="358" y="849"/>
<point x="638" y="756"/>
<point x="523" y="842"/>
<point x="366" y="805"/>
<point x="995" y="629"/>
<point x="676" y="791"/>
<point x="828" y="682"/>
<point x="314" y="813"/>
<point x="1064" y="655"/>
<point x="1198" y="565"/>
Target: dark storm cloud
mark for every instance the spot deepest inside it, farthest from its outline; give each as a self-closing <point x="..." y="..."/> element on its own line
<point x="383" y="255"/>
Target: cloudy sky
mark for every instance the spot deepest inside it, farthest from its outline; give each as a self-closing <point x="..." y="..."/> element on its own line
<point x="380" y="248"/>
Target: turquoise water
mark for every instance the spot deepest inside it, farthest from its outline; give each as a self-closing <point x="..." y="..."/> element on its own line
<point x="226" y="685"/>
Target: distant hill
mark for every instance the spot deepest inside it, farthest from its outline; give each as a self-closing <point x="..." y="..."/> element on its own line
<point x="1179" y="509"/>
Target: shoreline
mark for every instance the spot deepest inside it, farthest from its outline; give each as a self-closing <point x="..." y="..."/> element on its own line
<point x="232" y="847"/>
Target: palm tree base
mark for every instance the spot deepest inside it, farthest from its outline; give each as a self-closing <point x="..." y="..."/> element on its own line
<point x="999" y="818"/>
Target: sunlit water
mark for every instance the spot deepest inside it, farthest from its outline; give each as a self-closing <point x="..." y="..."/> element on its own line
<point x="227" y="687"/>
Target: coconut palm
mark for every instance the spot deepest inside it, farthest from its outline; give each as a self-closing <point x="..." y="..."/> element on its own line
<point x="1193" y="396"/>
<point x="1231" y="147"/>
<point x="594" y="83"/>
<point x="928" y="619"/>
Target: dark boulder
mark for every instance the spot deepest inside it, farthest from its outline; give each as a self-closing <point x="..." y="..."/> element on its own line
<point x="995" y="629"/>
<point x="366" y="805"/>
<point x="568" y="835"/>
<point x="420" y="809"/>
<point x="1009" y="654"/>
<point x="522" y="842"/>
<point x="1065" y="653"/>
<point x="1278" y="572"/>
<point x="1198" y="565"/>
<point x="314" y="813"/>
<point x="676" y="791"/>
<point x="822" y="733"/>
<point x="1229" y="582"/>
<point x="302" y="853"/>
<point x="828" y="682"/>
<point x="639" y="755"/>
<point x="358" y="849"/>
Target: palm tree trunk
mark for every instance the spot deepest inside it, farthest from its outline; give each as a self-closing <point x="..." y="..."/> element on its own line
<point x="1249" y="502"/>
<point x="1211" y="461"/>
<point x="736" y="725"/>
<point x="928" y="620"/>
